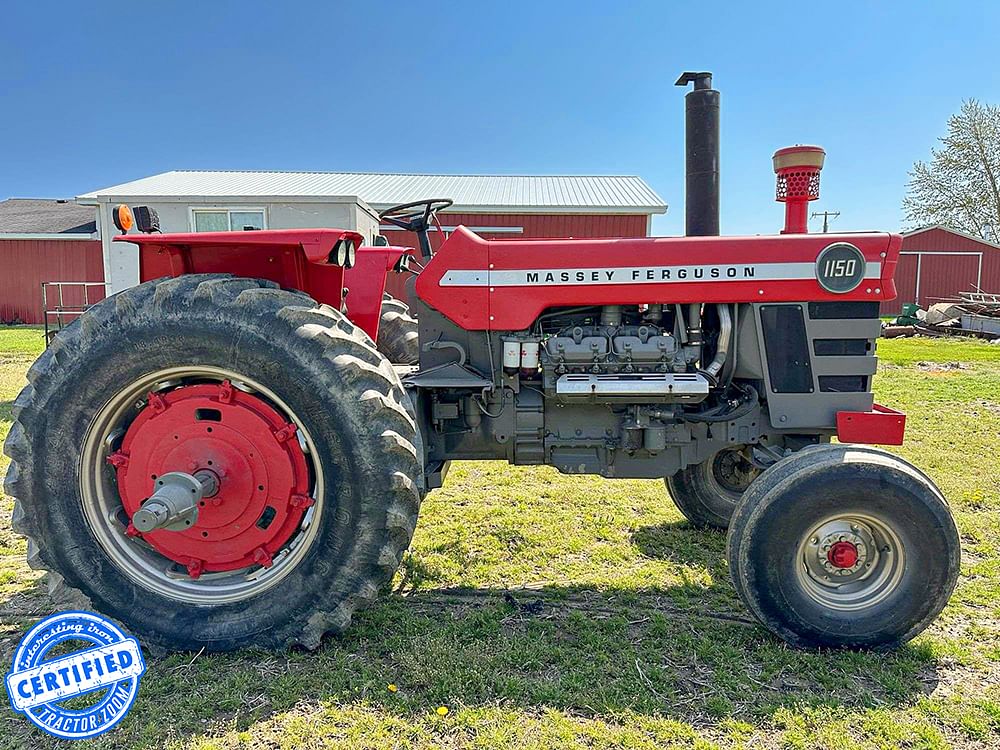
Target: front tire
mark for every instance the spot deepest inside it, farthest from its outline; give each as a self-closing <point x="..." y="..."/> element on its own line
<point x="707" y="493"/>
<point x="844" y="546"/>
<point x="347" y="473"/>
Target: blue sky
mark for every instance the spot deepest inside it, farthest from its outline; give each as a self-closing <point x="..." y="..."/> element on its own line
<point x="93" y="94"/>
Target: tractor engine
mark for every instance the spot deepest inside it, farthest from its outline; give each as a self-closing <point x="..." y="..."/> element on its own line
<point x="615" y="390"/>
<point x="614" y="341"/>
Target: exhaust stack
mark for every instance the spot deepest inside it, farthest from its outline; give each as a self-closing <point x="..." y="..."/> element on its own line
<point x="701" y="166"/>
<point x="701" y="156"/>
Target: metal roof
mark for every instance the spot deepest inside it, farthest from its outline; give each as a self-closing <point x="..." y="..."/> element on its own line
<point x="46" y="216"/>
<point x="949" y="230"/>
<point x="478" y="193"/>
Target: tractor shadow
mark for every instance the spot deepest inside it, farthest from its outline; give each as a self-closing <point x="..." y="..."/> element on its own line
<point x="681" y="542"/>
<point x="685" y="650"/>
<point x="28" y="596"/>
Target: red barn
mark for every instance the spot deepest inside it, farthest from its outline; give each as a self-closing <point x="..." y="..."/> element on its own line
<point x="936" y="263"/>
<point x="46" y="240"/>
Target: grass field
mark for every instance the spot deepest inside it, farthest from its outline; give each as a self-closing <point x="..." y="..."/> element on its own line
<point x="547" y="612"/>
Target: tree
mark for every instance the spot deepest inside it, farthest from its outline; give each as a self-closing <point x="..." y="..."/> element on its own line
<point x="960" y="186"/>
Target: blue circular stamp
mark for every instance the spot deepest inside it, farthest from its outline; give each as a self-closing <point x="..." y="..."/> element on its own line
<point x="44" y="676"/>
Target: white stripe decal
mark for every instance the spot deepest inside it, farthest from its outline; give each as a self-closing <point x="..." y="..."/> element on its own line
<point x="642" y="275"/>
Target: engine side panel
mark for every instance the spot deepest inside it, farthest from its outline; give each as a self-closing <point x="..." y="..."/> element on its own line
<point x="837" y="341"/>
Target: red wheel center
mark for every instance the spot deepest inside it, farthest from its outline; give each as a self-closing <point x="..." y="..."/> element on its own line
<point x="842" y="555"/>
<point x="263" y="475"/>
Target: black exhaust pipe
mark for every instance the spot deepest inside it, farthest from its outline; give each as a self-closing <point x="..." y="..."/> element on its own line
<point x="701" y="166"/>
<point x="701" y="156"/>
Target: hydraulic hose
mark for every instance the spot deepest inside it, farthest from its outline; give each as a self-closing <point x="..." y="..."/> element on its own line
<point x="750" y="403"/>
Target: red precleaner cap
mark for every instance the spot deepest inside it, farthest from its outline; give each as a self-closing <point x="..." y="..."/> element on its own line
<point x="797" y="168"/>
<point x="808" y="157"/>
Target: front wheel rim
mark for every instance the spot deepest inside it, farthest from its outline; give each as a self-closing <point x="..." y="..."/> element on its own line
<point x="732" y="471"/>
<point x="850" y="562"/>
<point x="103" y="506"/>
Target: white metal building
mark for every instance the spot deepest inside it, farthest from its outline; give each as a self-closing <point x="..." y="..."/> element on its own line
<point x="502" y="205"/>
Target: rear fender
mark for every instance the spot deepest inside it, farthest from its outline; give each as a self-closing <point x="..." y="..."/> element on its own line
<point x="365" y="283"/>
<point x="300" y="259"/>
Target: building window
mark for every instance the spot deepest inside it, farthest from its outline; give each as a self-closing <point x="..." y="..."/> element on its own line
<point x="226" y="219"/>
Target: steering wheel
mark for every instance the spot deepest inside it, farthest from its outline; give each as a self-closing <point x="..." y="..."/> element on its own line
<point x="417" y="217"/>
<point x="405" y="217"/>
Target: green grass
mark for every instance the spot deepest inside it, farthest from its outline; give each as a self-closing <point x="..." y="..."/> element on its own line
<point x="548" y="611"/>
<point x="21" y="340"/>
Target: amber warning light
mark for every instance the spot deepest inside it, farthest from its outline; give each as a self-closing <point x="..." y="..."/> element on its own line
<point x="122" y="216"/>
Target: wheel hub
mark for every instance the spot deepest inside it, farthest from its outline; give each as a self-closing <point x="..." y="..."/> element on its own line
<point x="249" y="461"/>
<point x="841" y="550"/>
<point x="733" y="471"/>
<point x="843" y="555"/>
<point x="850" y="562"/>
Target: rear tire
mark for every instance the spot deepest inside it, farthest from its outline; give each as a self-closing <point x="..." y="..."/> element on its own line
<point x="398" y="334"/>
<point x="707" y="493"/>
<point x="331" y="382"/>
<point x="900" y="544"/>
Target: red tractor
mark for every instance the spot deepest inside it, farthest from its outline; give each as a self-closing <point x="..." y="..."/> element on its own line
<point x="233" y="453"/>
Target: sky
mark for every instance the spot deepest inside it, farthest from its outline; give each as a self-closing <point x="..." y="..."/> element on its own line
<point x="95" y="94"/>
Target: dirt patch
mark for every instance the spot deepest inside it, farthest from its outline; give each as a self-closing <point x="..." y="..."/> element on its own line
<point x="981" y="404"/>
<point x="960" y="680"/>
<point x="940" y="366"/>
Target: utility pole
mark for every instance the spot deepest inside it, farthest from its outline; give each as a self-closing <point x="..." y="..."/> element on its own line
<point x="826" y="218"/>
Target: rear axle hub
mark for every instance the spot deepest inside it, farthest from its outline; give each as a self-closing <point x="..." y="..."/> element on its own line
<point x="212" y="477"/>
<point x="174" y="505"/>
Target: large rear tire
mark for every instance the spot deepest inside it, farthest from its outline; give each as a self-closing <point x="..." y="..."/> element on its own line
<point x="349" y="442"/>
<point x="398" y="333"/>
<point x="843" y="546"/>
<point x="707" y="493"/>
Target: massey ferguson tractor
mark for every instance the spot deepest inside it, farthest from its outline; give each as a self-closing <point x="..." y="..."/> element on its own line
<point x="233" y="453"/>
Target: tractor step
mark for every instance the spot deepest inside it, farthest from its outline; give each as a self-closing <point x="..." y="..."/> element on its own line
<point x="660" y="386"/>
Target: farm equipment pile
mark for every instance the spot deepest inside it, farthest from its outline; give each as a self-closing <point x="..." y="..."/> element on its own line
<point x="233" y="452"/>
<point x="972" y="314"/>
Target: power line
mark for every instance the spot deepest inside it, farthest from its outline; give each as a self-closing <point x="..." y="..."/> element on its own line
<point x="826" y="218"/>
